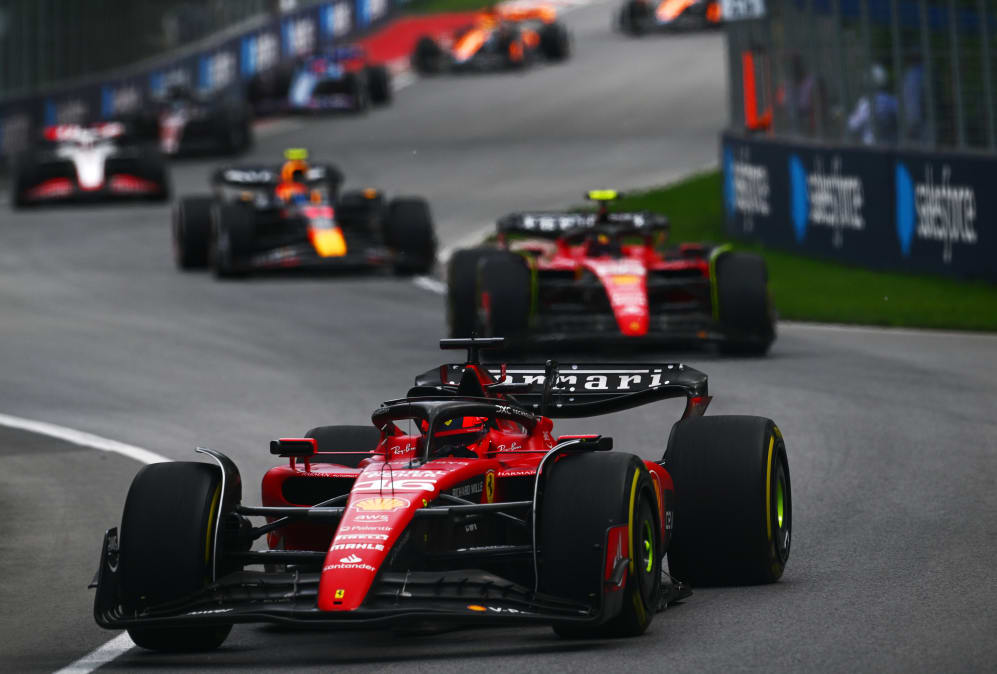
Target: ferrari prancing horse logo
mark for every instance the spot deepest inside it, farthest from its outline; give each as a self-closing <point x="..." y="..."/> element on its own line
<point x="490" y="487"/>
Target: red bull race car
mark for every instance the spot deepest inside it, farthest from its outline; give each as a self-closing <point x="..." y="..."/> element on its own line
<point x="638" y="17"/>
<point x="458" y="506"/>
<point x="500" y="38"/>
<point x="294" y="216"/>
<point x="577" y="277"/>
<point x="74" y="163"/>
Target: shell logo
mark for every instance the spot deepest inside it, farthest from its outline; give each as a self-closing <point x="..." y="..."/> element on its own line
<point x="381" y="504"/>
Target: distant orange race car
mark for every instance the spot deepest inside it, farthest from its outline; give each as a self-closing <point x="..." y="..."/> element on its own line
<point x="498" y="38"/>
<point x="642" y="16"/>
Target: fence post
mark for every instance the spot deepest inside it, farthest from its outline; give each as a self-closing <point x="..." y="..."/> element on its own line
<point x="897" y="47"/>
<point x="928" y="78"/>
<point x="960" y="121"/>
<point x="988" y="88"/>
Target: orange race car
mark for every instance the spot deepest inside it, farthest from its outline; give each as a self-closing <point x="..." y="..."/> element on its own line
<point x="500" y="37"/>
<point x="638" y="17"/>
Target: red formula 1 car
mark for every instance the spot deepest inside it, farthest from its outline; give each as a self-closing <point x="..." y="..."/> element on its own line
<point x="500" y="38"/>
<point x="578" y="277"/>
<point x="459" y="506"/>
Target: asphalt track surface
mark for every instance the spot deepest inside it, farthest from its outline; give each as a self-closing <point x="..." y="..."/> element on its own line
<point x="891" y="434"/>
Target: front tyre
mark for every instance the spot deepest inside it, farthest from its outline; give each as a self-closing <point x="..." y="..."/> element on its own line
<point x="462" y="289"/>
<point x="167" y="548"/>
<point x="618" y="511"/>
<point x="743" y="304"/>
<point x="505" y="294"/>
<point x="408" y="229"/>
<point x="379" y="84"/>
<point x="232" y="236"/>
<point x="734" y="506"/>
<point x="192" y="232"/>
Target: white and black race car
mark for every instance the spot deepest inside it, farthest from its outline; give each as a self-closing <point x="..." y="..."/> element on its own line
<point x="89" y="163"/>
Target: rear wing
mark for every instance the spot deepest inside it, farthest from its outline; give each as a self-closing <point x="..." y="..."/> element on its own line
<point x="582" y="389"/>
<point x="556" y="224"/>
<point x="259" y="177"/>
<point x="516" y="12"/>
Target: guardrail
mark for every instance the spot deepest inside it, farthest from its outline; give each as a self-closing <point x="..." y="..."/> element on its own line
<point x="223" y="61"/>
<point x="881" y="208"/>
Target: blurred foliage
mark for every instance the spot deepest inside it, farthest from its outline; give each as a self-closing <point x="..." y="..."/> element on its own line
<point x="816" y="290"/>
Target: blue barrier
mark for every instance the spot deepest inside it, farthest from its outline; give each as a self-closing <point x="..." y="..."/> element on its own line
<point x="231" y="61"/>
<point x="881" y="208"/>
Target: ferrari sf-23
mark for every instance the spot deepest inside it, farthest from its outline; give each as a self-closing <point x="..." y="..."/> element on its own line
<point x="458" y="505"/>
<point x="608" y="276"/>
<point x="262" y="218"/>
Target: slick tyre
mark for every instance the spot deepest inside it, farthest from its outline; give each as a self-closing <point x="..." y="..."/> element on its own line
<point x="734" y="506"/>
<point x="744" y="308"/>
<point x="232" y="236"/>
<point x="25" y="176"/>
<point x="554" y="42"/>
<point x="152" y="167"/>
<point x="505" y="294"/>
<point x="167" y="548"/>
<point x="192" y="232"/>
<point x="346" y="439"/>
<point x="427" y="59"/>
<point x="462" y="289"/>
<point x="379" y="85"/>
<point x="573" y="534"/>
<point x="634" y="17"/>
<point x="408" y="229"/>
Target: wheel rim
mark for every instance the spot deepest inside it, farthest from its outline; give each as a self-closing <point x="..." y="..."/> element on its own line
<point x="645" y="552"/>
<point x="647" y="547"/>
<point x="782" y="514"/>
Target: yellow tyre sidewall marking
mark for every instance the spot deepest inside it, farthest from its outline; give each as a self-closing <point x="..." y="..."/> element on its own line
<point x="768" y="489"/>
<point x="630" y="520"/>
<point x="211" y="523"/>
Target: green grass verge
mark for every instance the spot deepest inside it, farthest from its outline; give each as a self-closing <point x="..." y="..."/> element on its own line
<point x="807" y="289"/>
<point x="436" y="6"/>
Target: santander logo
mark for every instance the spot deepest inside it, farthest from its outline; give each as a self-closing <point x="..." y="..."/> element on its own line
<point x="352" y="559"/>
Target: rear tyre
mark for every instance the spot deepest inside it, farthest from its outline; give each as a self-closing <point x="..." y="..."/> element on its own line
<point x="25" y="175"/>
<point x="408" y="229"/>
<point x="573" y="534"/>
<point x="358" y="88"/>
<point x="346" y="439"/>
<point x="554" y="42"/>
<point x="231" y="239"/>
<point x="505" y="294"/>
<point x="379" y="84"/>
<point x="166" y="553"/>
<point x="744" y="307"/>
<point x="462" y="289"/>
<point x="427" y="59"/>
<point x="192" y="232"/>
<point x="152" y="167"/>
<point x="734" y="508"/>
<point x="634" y="17"/>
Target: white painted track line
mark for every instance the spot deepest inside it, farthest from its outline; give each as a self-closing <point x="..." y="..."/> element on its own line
<point x="119" y="645"/>
<point x="122" y="642"/>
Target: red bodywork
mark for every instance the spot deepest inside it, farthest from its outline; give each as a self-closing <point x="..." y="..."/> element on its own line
<point x="623" y="271"/>
<point x="384" y="494"/>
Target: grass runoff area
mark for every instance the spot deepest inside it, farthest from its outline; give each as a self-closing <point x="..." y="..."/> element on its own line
<point x="437" y="6"/>
<point x="808" y="289"/>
